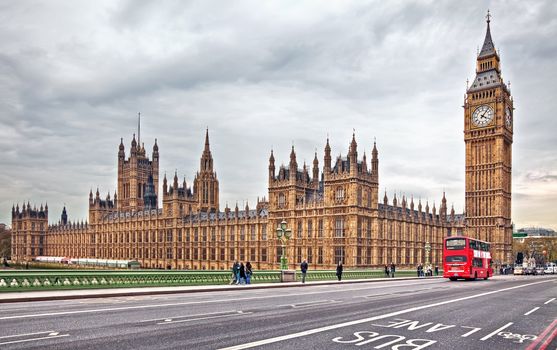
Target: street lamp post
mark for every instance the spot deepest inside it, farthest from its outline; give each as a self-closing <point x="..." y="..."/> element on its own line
<point x="427" y="248"/>
<point x="283" y="234"/>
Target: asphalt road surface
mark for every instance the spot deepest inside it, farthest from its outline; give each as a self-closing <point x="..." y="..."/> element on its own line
<point x="505" y="312"/>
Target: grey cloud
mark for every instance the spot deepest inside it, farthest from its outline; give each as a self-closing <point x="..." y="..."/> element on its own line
<point x="260" y="76"/>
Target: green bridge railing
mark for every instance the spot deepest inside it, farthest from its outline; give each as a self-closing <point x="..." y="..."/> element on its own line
<point x="30" y="280"/>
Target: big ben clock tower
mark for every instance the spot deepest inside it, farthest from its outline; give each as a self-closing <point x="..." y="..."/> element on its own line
<point x="488" y="135"/>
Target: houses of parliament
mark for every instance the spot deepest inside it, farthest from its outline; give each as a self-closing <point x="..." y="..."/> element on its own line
<point x="334" y="208"/>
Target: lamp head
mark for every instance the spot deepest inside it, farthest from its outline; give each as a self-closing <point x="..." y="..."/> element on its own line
<point x="288" y="233"/>
<point x="283" y="224"/>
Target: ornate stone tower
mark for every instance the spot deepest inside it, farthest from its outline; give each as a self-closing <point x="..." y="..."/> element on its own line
<point x="206" y="185"/>
<point x="488" y="135"/>
<point x="29" y="226"/>
<point x="133" y="175"/>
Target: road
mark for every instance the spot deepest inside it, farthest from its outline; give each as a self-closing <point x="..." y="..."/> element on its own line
<point x="505" y="312"/>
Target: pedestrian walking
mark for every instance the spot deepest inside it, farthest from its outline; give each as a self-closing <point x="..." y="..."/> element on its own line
<point x="236" y="272"/>
<point x="418" y="270"/>
<point x="249" y="272"/>
<point x="436" y="270"/>
<point x="242" y="273"/>
<point x="339" y="270"/>
<point x="387" y="271"/>
<point x="392" y="270"/>
<point x="304" y="268"/>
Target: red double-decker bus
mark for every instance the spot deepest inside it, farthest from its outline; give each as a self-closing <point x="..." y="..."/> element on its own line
<point x="465" y="257"/>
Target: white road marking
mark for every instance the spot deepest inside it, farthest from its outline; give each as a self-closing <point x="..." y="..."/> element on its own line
<point x="196" y="315"/>
<point x="370" y="319"/>
<point x="474" y="330"/>
<point x="203" y="318"/>
<point x="23" y="335"/>
<point x="531" y="311"/>
<point x="311" y="303"/>
<point x="180" y="304"/>
<point x="33" y="339"/>
<point x="549" y="301"/>
<point x="496" y="331"/>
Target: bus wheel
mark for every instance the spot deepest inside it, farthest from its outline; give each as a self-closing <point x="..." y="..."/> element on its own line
<point x="475" y="275"/>
<point x="486" y="277"/>
<point x="452" y="278"/>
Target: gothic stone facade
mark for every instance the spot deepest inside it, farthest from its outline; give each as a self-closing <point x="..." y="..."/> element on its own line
<point x="334" y="213"/>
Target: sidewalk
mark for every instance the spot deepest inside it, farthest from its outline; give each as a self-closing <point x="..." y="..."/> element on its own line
<point x="15" y="297"/>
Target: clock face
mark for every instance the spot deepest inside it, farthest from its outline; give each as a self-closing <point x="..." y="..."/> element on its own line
<point x="482" y="116"/>
<point x="508" y="117"/>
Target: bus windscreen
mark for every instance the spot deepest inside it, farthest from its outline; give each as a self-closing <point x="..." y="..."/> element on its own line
<point x="455" y="243"/>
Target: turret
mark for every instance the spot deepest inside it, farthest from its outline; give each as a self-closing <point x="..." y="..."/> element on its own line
<point x="293" y="165"/>
<point x="175" y="184"/>
<point x="315" y="177"/>
<point x="353" y="155"/>
<point x="271" y="167"/>
<point x="375" y="163"/>
<point x="134" y="147"/>
<point x="327" y="159"/>
<point x="64" y="217"/>
<point x="385" y="199"/>
<point x="121" y="150"/>
<point x="164" y="185"/>
<point x="443" y="208"/>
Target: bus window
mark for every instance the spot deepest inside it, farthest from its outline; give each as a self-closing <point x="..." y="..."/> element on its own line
<point x="473" y="244"/>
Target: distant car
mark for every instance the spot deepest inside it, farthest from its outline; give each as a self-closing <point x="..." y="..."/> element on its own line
<point x="539" y="270"/>
<point x="528" y="271"/>
<point x="550" y="269"/>
<point x="518" y="270"/>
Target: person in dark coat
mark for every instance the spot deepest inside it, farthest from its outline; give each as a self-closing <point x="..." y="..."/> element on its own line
<point x="386" y="271"/>
<point x="304" y="268"/>
<point x="339" y="270"/>
<point x="392" y="269"/>
<point x="235" y="273"/>
<point x="242" y="273"/>
<point x="249" y="272"/>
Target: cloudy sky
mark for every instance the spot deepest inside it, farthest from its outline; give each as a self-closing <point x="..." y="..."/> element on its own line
<point x="262" y="75"/>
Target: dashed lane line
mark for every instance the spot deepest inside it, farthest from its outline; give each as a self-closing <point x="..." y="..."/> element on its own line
<point x="35" y="339"/>
<point x="531" y="311"/>
<point x="549" y="301"/>
<point x="196" y="315"/>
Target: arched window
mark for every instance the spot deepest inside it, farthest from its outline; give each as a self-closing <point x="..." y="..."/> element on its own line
<point x="281" y="200"/>
<point x="339" y="194"/>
